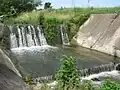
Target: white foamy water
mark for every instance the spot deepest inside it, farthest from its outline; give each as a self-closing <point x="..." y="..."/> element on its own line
<point x="115" y="75"/>
<point x="64" y="35"/>
<point x="28" y="36"/>
<point x="41" y="37"/>
<point x="33" y="48"/>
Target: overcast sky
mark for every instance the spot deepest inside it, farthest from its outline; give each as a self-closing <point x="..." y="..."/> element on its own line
<point x="83" y="3"/>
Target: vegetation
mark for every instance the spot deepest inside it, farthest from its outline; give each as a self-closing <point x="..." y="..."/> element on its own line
<point x="68" y="75"/>
<point x="68" y="78"/>
<point x="110" y="85"/>
<point x="28" y="80"/>
<point x="92" y="10"/>
<point x="47" y="5"/>
<point x="19" y="5"/>
<point x="63" y="14"/>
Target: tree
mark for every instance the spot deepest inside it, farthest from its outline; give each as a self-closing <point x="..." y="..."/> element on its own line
<point x="18" y="5"/>
<point x="37" y="2"/>
<point x="47" y="5"/>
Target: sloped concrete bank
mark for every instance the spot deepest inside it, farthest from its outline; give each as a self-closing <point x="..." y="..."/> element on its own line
<point x="10" y="78"/>
<point x="100" y="32"/>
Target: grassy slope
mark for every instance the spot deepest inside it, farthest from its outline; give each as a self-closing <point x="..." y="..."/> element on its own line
<point x="59" y="14"/>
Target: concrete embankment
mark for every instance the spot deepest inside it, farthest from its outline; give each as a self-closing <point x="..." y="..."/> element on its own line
<point x="10" y="78"/>
<point x="100" y="32"/>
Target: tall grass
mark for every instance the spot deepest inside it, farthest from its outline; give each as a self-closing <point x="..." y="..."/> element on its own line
<point x="60" y="14"/>
<point x="32" y="17"/>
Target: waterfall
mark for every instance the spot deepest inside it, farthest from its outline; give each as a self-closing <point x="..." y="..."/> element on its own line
<point x="41" y="37"/>
<point x="23" y="35"/>
<point x="27" y="36"/>
<point x="35" y="37"/>
<point x="97" y="69"/>
<point x="13" y="41"/>
<point x="64" y="35"/>
<point x="30" y="35"/>
<point x="20" y="36"/>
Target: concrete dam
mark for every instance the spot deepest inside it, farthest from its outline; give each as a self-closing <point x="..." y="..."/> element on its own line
<point x="100" y="32"/>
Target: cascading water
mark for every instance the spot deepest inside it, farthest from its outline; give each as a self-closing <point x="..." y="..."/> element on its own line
<point x="20" y="37"/>
<point x="97" y="69"/>
<point x="23" y="36"/>
<point x="64" y="35"/>
<point x="41" y="37"/>
<point x="27" y="37"/>
<point x="13" y="40"/>
<point x="34" y="36"/>
<point x="30" y="38"/>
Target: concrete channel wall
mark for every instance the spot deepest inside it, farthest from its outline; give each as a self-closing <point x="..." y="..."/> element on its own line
<point x="100" y="32"/>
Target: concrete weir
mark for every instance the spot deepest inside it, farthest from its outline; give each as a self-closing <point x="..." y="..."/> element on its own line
<point x="100" y="32"/>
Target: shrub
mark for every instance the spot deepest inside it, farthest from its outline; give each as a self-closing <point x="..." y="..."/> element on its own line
<point x="110" y="85"/>
<point x="41" y="19"/>
<point x="50" y="30"/>
<point x="68" y="76"/>
<point x="74" y="23"/>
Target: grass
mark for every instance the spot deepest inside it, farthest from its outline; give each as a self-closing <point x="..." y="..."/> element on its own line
<point x="32" y="17"/>
<point x="105" y="10"/>
<point x="64" y="14"/>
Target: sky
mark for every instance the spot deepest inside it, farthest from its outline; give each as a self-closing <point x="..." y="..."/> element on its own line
<point x="83" y="3"/>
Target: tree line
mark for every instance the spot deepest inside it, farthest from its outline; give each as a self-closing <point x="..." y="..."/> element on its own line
<point x="12" y="6"/>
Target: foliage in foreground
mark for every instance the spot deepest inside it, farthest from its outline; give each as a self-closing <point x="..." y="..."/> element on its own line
<point x="68" y="79"/>
<point x="109" y="85"/>
<point x="68" y="75"/>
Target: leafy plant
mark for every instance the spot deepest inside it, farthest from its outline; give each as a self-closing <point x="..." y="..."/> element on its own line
<point x="68" y="76"/>
<point x="110" y="85"/>
<point x="51" y="30"/>
<point x="74" y="23"/>
<point x="41" y="19"/>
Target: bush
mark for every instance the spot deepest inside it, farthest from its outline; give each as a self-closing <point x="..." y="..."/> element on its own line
<point x="110" y="85"/>
<point x="68" y="76"/>
<point x="50" y="30"/>
<point x="41" y="19"/>
<point x="74" y="23"/>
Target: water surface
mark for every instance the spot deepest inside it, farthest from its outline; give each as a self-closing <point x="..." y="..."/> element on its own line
<point x="45" y="60"/>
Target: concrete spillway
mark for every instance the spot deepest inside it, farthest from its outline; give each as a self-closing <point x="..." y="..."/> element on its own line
<point x="100" y="32"/>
